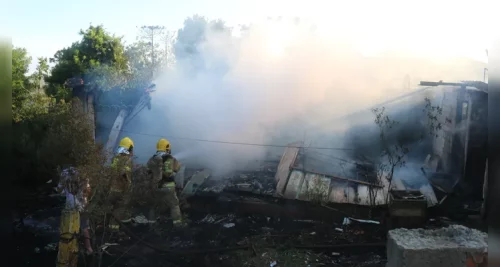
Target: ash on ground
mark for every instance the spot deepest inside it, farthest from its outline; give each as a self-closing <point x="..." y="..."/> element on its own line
<point x="253" y="241"/>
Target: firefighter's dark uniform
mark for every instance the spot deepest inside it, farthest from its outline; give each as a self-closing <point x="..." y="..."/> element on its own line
<point x="163" y="167"/>
<point x="119" y="194"/>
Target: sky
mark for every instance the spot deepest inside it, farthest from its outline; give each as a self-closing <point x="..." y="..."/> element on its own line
<point x="444" y="28"/>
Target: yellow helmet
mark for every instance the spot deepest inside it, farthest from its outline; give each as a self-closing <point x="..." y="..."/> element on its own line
<point x="127" y="143"/>
<point x="163" y="145"/>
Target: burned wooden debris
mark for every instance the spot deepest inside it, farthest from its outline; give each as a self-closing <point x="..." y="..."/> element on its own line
<point x="407" y="209"/>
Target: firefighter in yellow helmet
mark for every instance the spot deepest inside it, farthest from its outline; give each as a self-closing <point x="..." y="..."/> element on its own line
<point x="121" y="182"/>
<point x="163" y="168"/>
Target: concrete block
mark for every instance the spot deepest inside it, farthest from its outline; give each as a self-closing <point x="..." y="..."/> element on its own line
<point x="455" y="245"/>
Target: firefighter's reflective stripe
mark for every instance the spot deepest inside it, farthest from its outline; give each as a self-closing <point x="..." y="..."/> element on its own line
<point x="168" y="185"/>
<point x="68" y="243"/>
<point x="115" y="164"/>
<point x="168" y="167"/>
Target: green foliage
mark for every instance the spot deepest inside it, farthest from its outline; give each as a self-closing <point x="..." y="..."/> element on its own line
<point x="37" y="103"/>
<point x="42" y="143"/>
<point x="99" y="58"/>
<point x="27" y="101"/>
<point x="20" y="83"/>
<point x="140" y="61"/>
<point x="50" y="133"/>
<point x="41" y="73"/>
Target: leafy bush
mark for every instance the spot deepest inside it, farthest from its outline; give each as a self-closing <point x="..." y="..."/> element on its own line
<point x="44" y="143"/>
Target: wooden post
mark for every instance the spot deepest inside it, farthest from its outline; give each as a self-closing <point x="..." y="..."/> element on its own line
<point x="91" y="112"/>
<point x="484" y="206"/>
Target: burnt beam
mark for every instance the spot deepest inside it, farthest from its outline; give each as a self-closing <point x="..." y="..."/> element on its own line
<point x="285" y="208"/>
<point x="426" y="83"/>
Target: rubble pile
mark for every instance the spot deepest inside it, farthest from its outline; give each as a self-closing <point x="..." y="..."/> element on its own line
<point x="260" y="181"/>
<point x="455" y="245"/>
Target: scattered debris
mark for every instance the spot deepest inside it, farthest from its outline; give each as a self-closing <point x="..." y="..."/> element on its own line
<point x="107" y="245"/>
<point x="347" y="221"/>
<point x="244" y="187"/>
<point x="195" y="182"/>
<point x="141" y="219"/>
<point x="305" y="221"/>
<point x="104" y="248"/>
<point x="273" y="264"/>
<point x="339" y="229"/>
<point x="51" y="247"/>
<point x="407" y="209"/>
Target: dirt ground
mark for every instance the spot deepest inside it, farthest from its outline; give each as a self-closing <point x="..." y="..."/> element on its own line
<point x="209" y="240"/>
<point x="212" y="238"/>
<point x="232" y="240"/>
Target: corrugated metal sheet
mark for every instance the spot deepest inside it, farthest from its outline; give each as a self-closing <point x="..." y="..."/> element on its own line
<point x="303" y="184"/>
<point x="308" y="186"/>
<point x="334" y="164"/>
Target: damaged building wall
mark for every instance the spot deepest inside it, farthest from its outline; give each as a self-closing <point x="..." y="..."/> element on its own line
<point x="459" y="147"/>
<point x="476" y="144"/>
<point x="296" y="182"/>
<point x="439" y="156"/>
<point x="303" y="185"/>
<point x="442" y="156"/>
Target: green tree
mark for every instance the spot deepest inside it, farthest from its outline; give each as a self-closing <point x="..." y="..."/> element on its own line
<point x="139" y="63"/>
<point x="99" y="58"/>
<point x="41" y="73"/>
<point x="20" y="83"/>
<point x="27" y="102"/>
<point x="153" y="36"/>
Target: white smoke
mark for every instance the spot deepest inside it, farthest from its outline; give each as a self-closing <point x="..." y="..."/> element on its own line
<point x="277" y="82"/>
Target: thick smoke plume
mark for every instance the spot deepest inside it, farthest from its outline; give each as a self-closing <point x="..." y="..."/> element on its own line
<point x="276" y="82"/>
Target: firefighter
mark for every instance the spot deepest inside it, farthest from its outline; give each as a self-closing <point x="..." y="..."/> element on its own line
<point x="163" y="168"/>
<point x="73" y="217"/>
<point x="121" y="184"/>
